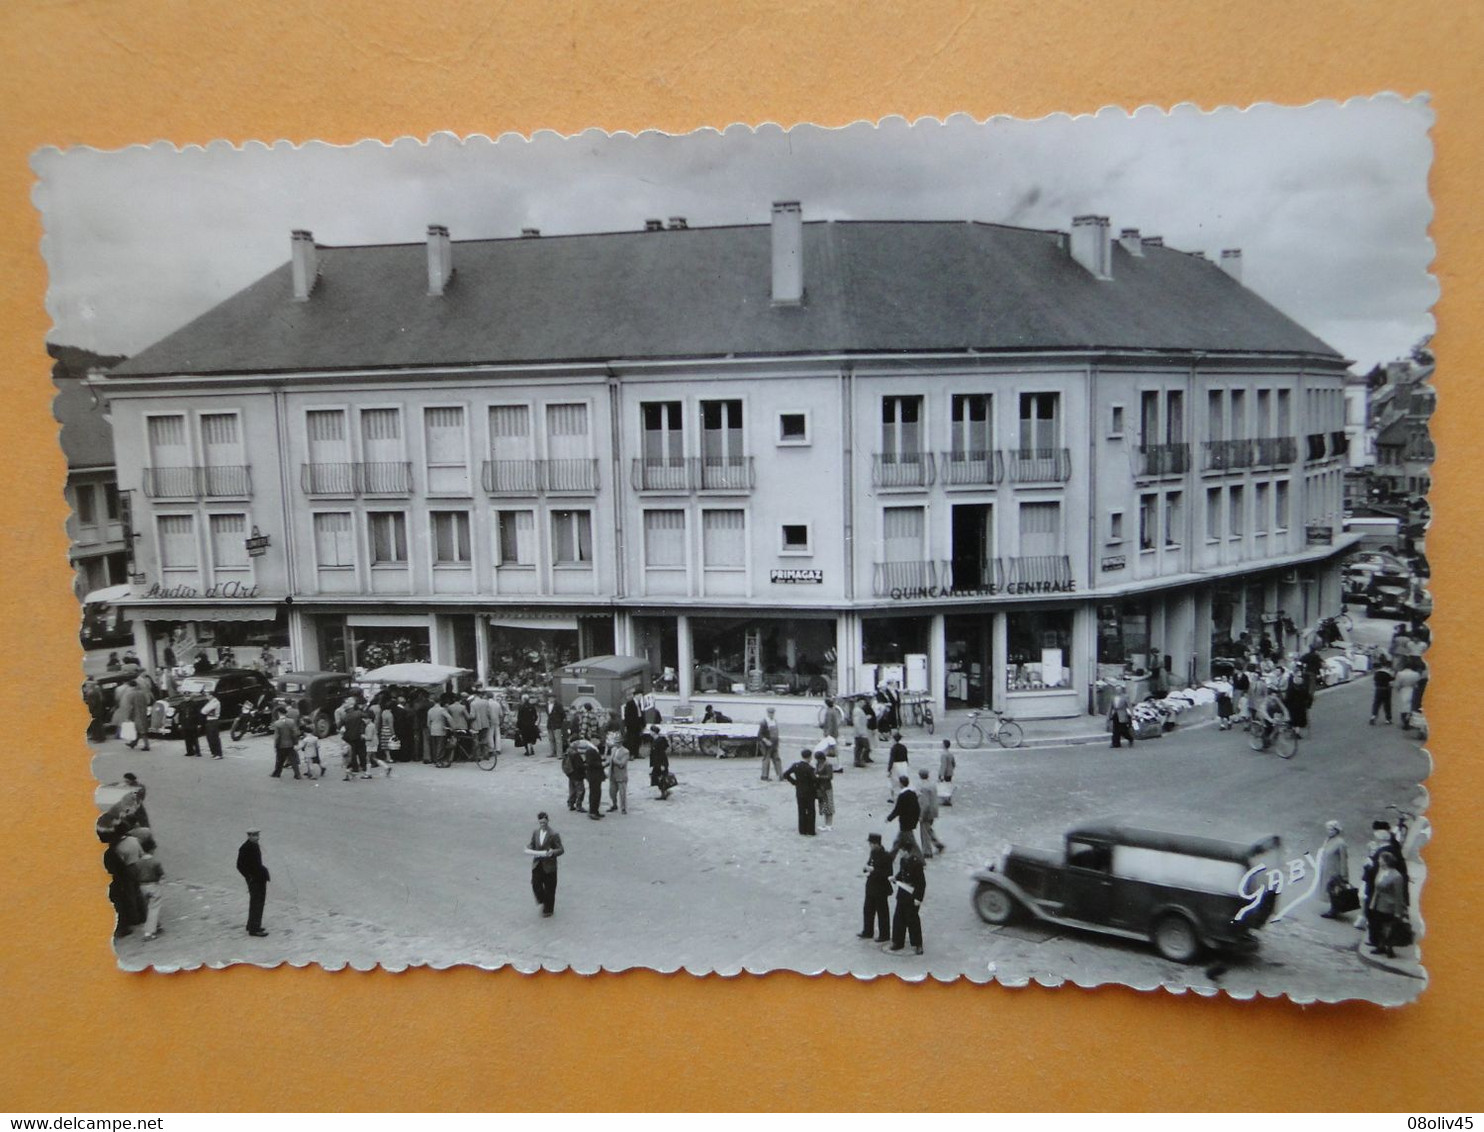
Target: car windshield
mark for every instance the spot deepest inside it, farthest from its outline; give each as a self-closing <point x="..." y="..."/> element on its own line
<point x="197" y="685"/>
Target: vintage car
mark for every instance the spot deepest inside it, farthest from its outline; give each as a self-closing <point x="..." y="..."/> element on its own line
<point x="317" y="695"/>
<point x="1388" y="595"/>
<point x="234" y="687"/>
<point x="1184" y="893"/>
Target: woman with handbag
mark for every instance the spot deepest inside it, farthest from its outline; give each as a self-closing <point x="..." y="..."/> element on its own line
<point x="1334" y="873"/>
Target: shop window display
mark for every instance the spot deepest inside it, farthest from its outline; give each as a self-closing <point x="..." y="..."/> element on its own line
<point x="1039" y="650"/>
<point x="521" y="660"/>
<point x="656" y="639"/>
<point x="764" y="655"/>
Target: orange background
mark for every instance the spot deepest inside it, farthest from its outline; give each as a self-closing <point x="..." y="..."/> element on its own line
<point x="81" y="1036"/>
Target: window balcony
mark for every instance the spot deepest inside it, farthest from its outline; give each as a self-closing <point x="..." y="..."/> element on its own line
<point x="664" y="473"/>
<point x="328" y="479"/>
<point x="972" y="576"/>
<point x="1043" y="573"/>
<point x="1276" y="450"/>
<point x="1339" y="443"/>
<point x="1164" y="459"/>
<point x="902" y="469"/>
<point x="971" y="469"/>
<point x="726" y="473"/>
<point x="1040" y="465"/>
<point x="1227" y="455"/>
<point x="1317" y="449"/>
<point x="385" y="477"/>
<point x="570" y="476"/>
<point x="906" y="579"/>
<point x="511" y="477"/>
<point x="215" y="481"/>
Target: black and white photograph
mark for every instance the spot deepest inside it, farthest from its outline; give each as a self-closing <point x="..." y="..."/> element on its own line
<point x="987" y="550"/>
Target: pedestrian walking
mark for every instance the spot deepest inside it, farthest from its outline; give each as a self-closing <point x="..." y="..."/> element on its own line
<point x="384" y="721"/>
<point x="1298" y="699"/>
<point x="617" y="761"/>
<point x="1381" y="691"/>
<point x="1405" y="688"/>
<point x="927" y="801"/>
<point x="211" y="724"/>
<point x="659" y="763"/>
<point x="545" y="847"/>
<point x="947" y="762"/>
<point x="482" y="720"/>
<point x="133" y="715"/>
<point x="911" y="885"/>
<point x="353" y="734"/>
<point x="527" y="731"/>
<point x="1121" y="719"/>
<point x="860" y="723"/>
<point x="767" y="744"/>
<point x="306" y="750"/>
<point x="556" y="727"/>
<point x="574" y="766"/>
<point x="1388" y="904"/>
<point x="148" y="874"/>
<point x="906" y="812"/>
<point x="285" y="738"/>
<point x="633" y="720"/>
<point x="824" y="789"/>
<point x="1334" y="868"/>
<point x="801" y="777"/>
<point x="123" y="889"/>
<point x="592" y="762"/>
<point x="250" y="865"/>
<point x="96" y="701"/>
<point x="896" y="763"/>
<point x="877" y="909"/>
<point x="188" y="721"/>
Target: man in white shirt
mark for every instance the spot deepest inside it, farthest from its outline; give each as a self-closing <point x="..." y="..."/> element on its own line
<point x="211" y="723"/>
<point x="485" y="722"/>
<point x="545" y="847"/>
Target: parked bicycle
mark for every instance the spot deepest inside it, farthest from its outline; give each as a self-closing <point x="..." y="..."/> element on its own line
<point x="462" y="746"/>
<point x="920" y="709"/>
<point x="1280" y="736"/>
<point x="1002" y="730"/>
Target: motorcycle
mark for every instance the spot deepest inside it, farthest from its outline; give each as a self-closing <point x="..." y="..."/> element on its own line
<point x="255" y="719"/>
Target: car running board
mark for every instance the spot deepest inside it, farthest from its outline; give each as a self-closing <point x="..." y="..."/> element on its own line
<point x="1046" y="916"/>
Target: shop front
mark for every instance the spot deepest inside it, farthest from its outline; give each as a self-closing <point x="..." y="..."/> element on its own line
<point x="227" y="636"/>
<point x="1023" y="661"/>
<point x="896" y="649"/>
<point x="1128" y="657"/>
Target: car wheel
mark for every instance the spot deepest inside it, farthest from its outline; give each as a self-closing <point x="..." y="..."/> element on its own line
<point x="1175" y="938"/>
<point x="994" y="904"/>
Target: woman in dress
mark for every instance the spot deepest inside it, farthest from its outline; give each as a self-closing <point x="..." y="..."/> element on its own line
<point x="526" y="729"/>
<point x="1334" y="865"/>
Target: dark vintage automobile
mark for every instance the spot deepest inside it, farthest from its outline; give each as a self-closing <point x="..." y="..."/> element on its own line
<point x="1389" y="595"/>
<point x="234" y="687"/>
<point x="317" y="695"/>
<point x="1181" y="892"/>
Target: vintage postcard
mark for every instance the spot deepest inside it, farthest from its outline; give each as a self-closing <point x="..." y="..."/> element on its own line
<point x="985" y="550"/>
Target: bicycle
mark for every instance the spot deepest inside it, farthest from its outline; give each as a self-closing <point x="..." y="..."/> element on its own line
<point x="1004" y="731"/>
<point x="922" y="713"/>
<point x="1403" y="823"/>
<point x="1278" y="735"/>
<point x="460" y="746"/>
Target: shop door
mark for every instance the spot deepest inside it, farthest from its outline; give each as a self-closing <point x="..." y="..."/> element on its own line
<point x="972" y="547"/>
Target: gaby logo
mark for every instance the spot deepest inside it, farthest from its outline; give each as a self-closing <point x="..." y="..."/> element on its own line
<point x="1261" y="879"/>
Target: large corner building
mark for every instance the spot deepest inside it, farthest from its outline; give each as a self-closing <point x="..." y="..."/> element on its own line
<point x="772" y="458"/>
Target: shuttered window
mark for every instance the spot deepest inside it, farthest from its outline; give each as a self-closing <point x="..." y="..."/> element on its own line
<point x="724" y="539"/>
<point x="664" y="539"/>
<point x="510" y="432"/>
<point x="327" y="440"/>
<point x="902" y="530"/>
<point x="229" y="542"/>
<point x="221" y="439"/>
<point x="167" y="442"/>
<point x="451" y="538"/>
<point x="381" y="435"/>
<point x="333" y="545"/>
<point x="1040" y="529"/>
<point x="448" y="470"/>
<point x="388" y="530"/>
<point x="178" y="542"/>
<point x="517" y="534"/>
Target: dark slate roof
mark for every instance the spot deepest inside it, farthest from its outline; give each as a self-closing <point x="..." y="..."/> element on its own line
<point x="87" y="439"/>
<point x="705" y="292"/>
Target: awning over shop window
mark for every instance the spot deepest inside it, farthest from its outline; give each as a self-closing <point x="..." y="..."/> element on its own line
<point x="201" y="613"/>
<point x="109" y="594"/>
<point x="544" y="621"/>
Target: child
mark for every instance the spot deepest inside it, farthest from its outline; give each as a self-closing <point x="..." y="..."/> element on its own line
<point x="946" y="764"/>
<point x="307" y="750"/>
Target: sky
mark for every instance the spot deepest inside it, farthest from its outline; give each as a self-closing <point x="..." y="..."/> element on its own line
<point x="1328" y="202"/>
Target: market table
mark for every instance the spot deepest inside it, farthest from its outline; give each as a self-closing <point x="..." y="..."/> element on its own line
<point x="719" y="740"/>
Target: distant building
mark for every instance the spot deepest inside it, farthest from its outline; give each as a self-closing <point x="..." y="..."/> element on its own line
<point x="777" y="460"/>
<point x="98" y="550"/>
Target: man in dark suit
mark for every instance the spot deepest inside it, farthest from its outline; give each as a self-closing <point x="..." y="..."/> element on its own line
<point x="907" y="812"/>
<point x="911" y="881"/>
<point x="250" y="865"/>
<point x="633" y="722"/>
<point x="878" y="891"/>
<point x="545" y="848"/>
<point x="801" y="775"/>
<point x="592" y="765"/>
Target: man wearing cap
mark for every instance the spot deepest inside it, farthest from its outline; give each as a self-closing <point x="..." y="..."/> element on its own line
<point x="877" y="909"/>
<point x="250" y="865"/>
<point x="801" y="776"/>
<point x="544" y="848"/>
<point x="767" y="744"/>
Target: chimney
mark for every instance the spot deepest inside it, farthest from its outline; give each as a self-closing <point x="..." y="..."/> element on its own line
<point x="1153" y="241"/>
<point x="788" y="253"/>
<point x="1197" y="255"/>
<point x="530" y="233"/>
<point x="1231" y="262"/>
<point x="305" y="258"/>
<point x="654" y="225"/>
<point x="677" y="223"/>
<point x="440" y="259"/>
<point x="1129" y="238"/>
<point x="1090" y="245"/>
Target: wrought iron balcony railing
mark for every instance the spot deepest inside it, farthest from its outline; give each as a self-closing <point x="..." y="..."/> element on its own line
<point x="1274" y="450"/>
<point x="1164" y="459"/>
<point x="212" y="481"/>
<point x="1044" y="573"/>
<point x="1039" y="465"/>
<point x="906" y="579"/>
<point x="902" y="469"/>
<point x="726" y="473"/>
<point x="971" y="468"/>
<point x="1226" y="455"/>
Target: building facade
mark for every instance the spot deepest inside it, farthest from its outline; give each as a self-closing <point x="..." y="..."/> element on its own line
<point x="777" y="460"/>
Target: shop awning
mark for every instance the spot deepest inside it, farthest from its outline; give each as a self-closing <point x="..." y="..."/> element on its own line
<point x="109" y="594"/>
<point x="542" y="621"/>
<point x="201" y="613"/>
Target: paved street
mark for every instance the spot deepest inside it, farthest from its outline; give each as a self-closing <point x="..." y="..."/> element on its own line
<point x="426" y="866"/>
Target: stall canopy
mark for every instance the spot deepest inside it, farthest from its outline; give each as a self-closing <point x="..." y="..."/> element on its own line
<point x="416" y="673"/>
<point x="201" y="613"/>
<point x="108" y="595"/>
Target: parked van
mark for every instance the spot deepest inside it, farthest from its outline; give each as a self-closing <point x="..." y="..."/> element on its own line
<point x="606" y="682"/>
